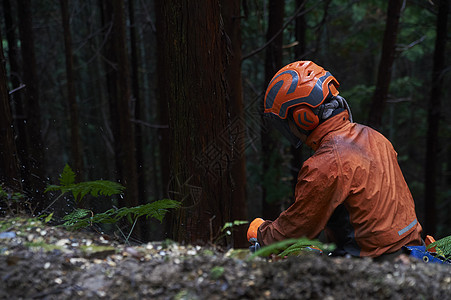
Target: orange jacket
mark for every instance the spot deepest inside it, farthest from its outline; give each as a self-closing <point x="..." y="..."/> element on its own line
<point x="353" y="189"/>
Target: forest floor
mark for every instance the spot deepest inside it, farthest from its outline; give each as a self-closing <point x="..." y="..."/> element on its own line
<point x="44" y="262"/>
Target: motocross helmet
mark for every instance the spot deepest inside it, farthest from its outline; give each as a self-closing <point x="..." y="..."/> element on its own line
<point x="301" y="83"/>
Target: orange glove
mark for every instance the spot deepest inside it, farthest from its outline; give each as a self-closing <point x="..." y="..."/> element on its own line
<point x="253" y="227"/>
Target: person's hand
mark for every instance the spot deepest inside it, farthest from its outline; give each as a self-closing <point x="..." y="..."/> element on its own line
<point x="252" y="234"/>
<point x="253" y="227"/>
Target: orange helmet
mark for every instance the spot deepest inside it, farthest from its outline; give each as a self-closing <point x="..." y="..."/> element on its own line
<point x="297" y="91"/>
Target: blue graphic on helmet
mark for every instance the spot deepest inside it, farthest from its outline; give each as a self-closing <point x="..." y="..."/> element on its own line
<point x="275" y="89"/>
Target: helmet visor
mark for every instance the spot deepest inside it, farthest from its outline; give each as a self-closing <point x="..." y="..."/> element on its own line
<point x="283" y="127"/>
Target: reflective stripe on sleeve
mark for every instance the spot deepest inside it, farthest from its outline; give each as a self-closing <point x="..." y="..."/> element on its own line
<point x="407" y="228"/>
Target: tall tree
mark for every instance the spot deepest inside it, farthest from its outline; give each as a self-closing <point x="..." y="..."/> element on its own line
<point x="192" y="48"/>
<point x="230" y="10"/>
<point x="118" y="83"/>
<point x="138" y="112"/>
<point x="9" y="165"/>
<point x="16" y="99"/>
<point x="434" y="110"/>
<point x="299" y="54"/>
<point x="273" y="62"/>
<point x="386" y="62"/>
<point x="76" y="148"/>
<point x="300" y="31"/>
<point x="34" y="182"/>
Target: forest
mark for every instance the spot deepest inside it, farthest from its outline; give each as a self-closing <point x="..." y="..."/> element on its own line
<point x="166" y="98"/>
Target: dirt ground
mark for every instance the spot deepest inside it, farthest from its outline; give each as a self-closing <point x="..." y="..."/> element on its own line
<point x="39" y="262"/>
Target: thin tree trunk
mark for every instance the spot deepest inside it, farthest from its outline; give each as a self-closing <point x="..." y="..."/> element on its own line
<point x="16" y="97"/>
<point x="163" y="117"/>
<point x="273" y="62"/>
<point x="35" y="182"/>
<point x="385" y="65"/>
<point x="76" y="148"/>
<point x="118" y="85"/>
<point x="300" y="32"/>
<point x="434" y="110"/>
<point x="138" y="115"/>
<point x="299" y="53"/>
<point x="9" y="166"/>
<point x="126" y="138"/>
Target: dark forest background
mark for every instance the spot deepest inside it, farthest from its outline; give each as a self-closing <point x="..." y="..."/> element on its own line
<point x="165" y="97"/>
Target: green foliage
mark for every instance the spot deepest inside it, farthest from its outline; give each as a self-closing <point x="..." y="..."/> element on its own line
<point x="13" y="197"/>
<point x="226" y="230"/>
<point x="291" y="247"/>
<point x="216" y="272"/>
<point x="230" y="225"/>
<point x="81" y="218"/>
<point x="80" y="190"/>
<point x="442" y="247"/>
<point x="12" y="202"/>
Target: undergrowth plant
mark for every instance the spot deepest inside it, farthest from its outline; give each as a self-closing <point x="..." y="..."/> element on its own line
<point x="80" y="190"/>
<point x="226" y="231"/>
<point x="82" y="218"/>
<point x="442" y="247"/>
<point x="13" y="203"/>
<point x="292" y="247"/>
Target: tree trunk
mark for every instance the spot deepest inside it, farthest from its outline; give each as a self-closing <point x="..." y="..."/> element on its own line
<point x="385" y="65"/>
<point x="434" y="110"/>
<point x="192" y="48"/>
<point x="300" y="31"/>
<point x="138" y="115"/>
<point x="118" y="83"/>
<point x="237" y="127"/>
<point x="299" y="53"/>
<point x="126" y="138"/>
<point x="273" y="62"/>
<point x="16" y="97"/>
<point x="9" y="166"/>
<point x="76" y="148"/>
<point x="34" y="183"/>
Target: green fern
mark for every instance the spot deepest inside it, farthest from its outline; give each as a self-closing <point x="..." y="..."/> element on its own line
<point x="156" y="209"/>
<point x="291" y="247"/>
<point x="82" y="218"/>
<point x="442" y="246"/>
<point x="76" y="217"/>
<point x="80" y="190"/>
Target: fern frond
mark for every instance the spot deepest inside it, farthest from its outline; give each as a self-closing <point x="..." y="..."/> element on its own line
<point x="156" y="209"/>
<point x="81" y="218"/>
<point x="442" y="246"/>
<point x="96" y="188"/>
<point x="68" y="176"/>
<point x="77" y="218"/>
<point x="275" y="248"/>
<point x="77" y="214"/>
<point x="290" y="247"/>
<point x="80" y="190"/>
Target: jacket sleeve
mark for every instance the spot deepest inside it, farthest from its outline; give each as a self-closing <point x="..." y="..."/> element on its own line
<point x="317" y="194"/>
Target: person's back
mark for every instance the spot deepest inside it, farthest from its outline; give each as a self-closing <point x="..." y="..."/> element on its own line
<point x="352" y="187"/>
<point x="378" y="213"/>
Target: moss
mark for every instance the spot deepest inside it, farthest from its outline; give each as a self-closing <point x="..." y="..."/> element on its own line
<point x="43" y="245"/>
<point x="216" y="272"/>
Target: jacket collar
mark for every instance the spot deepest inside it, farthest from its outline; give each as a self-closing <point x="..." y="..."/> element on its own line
<point x="335" y="123"/>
